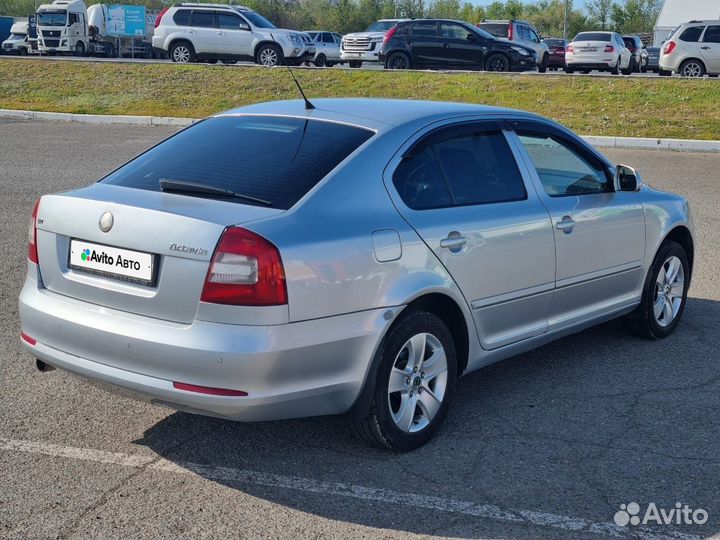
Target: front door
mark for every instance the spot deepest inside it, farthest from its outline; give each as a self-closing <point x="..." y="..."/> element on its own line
<point x="461" y="48"/>
<point x="599" y="233"/>
<point x="460" y="188"/>
<point x="234" y="36"/>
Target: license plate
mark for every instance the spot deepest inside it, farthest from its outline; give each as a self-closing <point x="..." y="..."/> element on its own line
<point x="112" y="262"/>
<point x="588" y="49"/>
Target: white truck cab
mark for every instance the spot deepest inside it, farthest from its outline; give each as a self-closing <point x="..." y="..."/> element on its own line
<point x="19" y="42"/>
<point x="62" y="27"/>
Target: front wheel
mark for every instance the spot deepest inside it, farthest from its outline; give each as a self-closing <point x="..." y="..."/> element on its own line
<point x="664" y="294"/>
<point x="79" y="49"/>
<point x="319" y="60"/>
<point x="414" y="384"/>
<point x="497" y="62"/>
<point x="269" y="55"/>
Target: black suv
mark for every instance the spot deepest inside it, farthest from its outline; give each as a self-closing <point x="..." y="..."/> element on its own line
<point x="448" y="44"/>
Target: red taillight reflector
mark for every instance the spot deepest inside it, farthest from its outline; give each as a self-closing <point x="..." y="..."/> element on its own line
<point x="28" y="339"/>
<point x="510" y="31"/>
<point x="208" y="390"/>
<point x="389" y="34"/>
<point x="32" y="234"/>
<point x="160" y="16"/>
<point x="569" y="49"/>
<point x="246" y="270"/>
<point x="669" y="47"/>
<point x="609" y="48"/>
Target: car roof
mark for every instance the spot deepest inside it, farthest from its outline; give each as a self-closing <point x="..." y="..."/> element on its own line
<point x="376" y="114"/>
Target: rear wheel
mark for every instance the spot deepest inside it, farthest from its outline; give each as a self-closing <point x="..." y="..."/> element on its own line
<point x="320" y="60"/>
<point x="497" y="62"/>
<point x="397" y="60"/>
<point x="182" y="52"/>
<point x="616" y="69"/>
<point x="664" y="293"/>
<point x="355" y="64"/>
<point x="542" y="68"/>
<point x="631" y="67"/>
<point x="414" y="384"/>
<point x="692" y="68"/>
<point x="269" y="55"/>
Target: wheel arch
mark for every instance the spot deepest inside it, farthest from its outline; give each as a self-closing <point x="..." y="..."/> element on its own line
<point x="682" y="235"/>
<point x="175" y="40"/>
<point x="266" y="42"/>
<point x="692" y="59"/>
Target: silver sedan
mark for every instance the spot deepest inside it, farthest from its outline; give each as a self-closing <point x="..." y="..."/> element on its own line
<point x="278" y="261"/>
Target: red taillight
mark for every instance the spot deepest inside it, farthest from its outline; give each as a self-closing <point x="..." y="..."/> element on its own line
<point x="389" y="34"/>
<point x="569" y="49"/>
<point x="208" y="390"/>
<point x="246" y="270"/>
<point x="559" y="50"/>
<point x="160" y="16"/>
<point x="32" y="234"/>
<point x="669" y="47"/>
<point x="609" y="48"/>
<point x="510" y="31"/>
<point x="28" y="339"/>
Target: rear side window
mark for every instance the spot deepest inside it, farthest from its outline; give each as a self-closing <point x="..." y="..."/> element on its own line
<point x="593" y="36"/>
<point x="203" y="19"/>
<point x="459" y="167"/>
<point x="276" y="159"/>
<point x="425" y="28"/>
<point x="497" y="30"/>
<point x="182" y="17"/>
<point x="692" y="34"/>
<point x="712" y="34"/>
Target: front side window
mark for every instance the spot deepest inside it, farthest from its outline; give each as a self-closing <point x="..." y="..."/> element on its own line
<point x="276" y="159"/>
<point x="692" y="34"/>
<point x="453" y="31"/>
<point x="230" y="22"/>
<point x="203" y="19"/>
<point x="563" y="169"/>
<point x="712" y="35"/>
<point x="459" y="166"/>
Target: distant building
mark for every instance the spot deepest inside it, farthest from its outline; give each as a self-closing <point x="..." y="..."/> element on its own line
<point x="676" y="12"/>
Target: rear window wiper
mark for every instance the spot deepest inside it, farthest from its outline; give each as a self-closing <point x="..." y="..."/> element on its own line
<point x="182" y="186"/>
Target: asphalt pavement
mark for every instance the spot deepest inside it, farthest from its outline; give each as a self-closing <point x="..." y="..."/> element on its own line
<point x="548" y="444"/>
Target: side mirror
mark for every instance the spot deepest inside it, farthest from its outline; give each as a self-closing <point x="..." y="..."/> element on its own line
<point x="244" y="26"/>
<point x="471" y="37"/>
<point x="627" y="179"/>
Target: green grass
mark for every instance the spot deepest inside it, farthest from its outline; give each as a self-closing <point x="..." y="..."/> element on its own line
<point x="620" y="106"/>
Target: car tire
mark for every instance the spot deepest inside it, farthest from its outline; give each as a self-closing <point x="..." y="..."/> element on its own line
<point x="23" y="51"/>
<point x="182" y="52"/>
<point x="79" y="49"/>
<point x="320" y="60"/>
<point x="497" y="62"/>
<point x="407" y="418"/>
<point x="109" y="50"/>
<point x="542" y="68"/>
<point x="664" y="73"/>
<point x="398" y="60"/>
<point x="269" y="55"/>
<point x="616" y="69"/>
<point x="585" y="71"/>
<point x="665" y="289"/>
<point x="692" y="68"/>
<point x="355" y="64"/>
<point x="630" y="69"/>
<point x="569" y="70"/>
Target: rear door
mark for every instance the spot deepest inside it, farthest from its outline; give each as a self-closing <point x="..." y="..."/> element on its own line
<point x="424" y="43"/>
<point x="599" y="233"/>
<point x="460" y="188"/>
<point x="710" y="48"/>
<point x="203" y="29"/>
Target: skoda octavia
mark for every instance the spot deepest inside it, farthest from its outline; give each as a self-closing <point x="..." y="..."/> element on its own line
<point x="278" y="261"/>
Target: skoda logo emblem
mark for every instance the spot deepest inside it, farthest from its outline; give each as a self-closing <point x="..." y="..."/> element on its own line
<point x="106" y="222"/>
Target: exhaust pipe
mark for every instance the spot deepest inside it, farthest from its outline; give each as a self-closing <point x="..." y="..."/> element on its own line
<point x="42" y="366"/>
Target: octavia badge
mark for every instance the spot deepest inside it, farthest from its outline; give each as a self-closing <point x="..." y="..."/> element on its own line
<point x="106" y="222"/>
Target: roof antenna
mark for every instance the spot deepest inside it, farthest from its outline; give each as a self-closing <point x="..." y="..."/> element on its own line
<point x="308" y="105"/>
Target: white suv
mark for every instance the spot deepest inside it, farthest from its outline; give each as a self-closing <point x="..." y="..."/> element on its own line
<point x="190" y="32"/>
<point x="692" y="50"/>
<point x="364" y="46"/>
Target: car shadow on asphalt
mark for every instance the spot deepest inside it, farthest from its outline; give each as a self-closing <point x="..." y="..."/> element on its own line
<point x="575" y="428"/>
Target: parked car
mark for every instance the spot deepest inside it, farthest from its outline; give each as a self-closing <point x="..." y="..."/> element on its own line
<point x="692" y="50"/>
<point x="276" y="262"/>
<point x="447" y="44"/>
<point x="602" y="51"/>
<point x="19" y="41"/>
<point x="360" y="47"/>
<point x="327" y="47"/>
<point x="189" y="32"/>
<point x="522" y="33"/>
<point x="653" y="63"/>
<point x="556" y="48"/>
<point x="635" y="46"/>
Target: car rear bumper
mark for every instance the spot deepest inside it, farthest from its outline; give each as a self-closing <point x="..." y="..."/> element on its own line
<point x="667" y="63"/>
<point x="590" y="64"/>
<point x="292" y="370"/>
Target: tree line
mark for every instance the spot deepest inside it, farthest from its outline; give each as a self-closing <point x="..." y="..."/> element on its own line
<point x="343" y="16"/>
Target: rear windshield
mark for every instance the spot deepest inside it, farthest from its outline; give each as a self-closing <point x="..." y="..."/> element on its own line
<point x="554" y="42"/>
<point x="592" y="36"/>
<point x="495" y="29"/>
<point x="275" y="159"/>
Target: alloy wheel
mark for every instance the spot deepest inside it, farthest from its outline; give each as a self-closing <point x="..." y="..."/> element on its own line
<point x="398" y="61"/>
<point x="669" y="289"/>
<point x="268" y="57"/>
<point x="418" y="382"/>
<point x="692" y="69"/>
<point x="181" y="54"/>
<point x="496" y="64"/>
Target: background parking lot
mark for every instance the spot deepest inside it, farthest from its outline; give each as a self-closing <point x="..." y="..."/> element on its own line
<point x="546" y="444"/>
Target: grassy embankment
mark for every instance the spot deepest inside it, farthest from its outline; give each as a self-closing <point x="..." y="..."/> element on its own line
<point x="619" y="106"/>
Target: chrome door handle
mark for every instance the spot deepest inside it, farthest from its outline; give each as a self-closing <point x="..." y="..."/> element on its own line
<point x="453" y="243"/>
<point x="566" y="225"/>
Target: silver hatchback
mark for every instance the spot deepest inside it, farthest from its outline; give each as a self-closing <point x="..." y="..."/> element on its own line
<point x="275" y="261"/>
